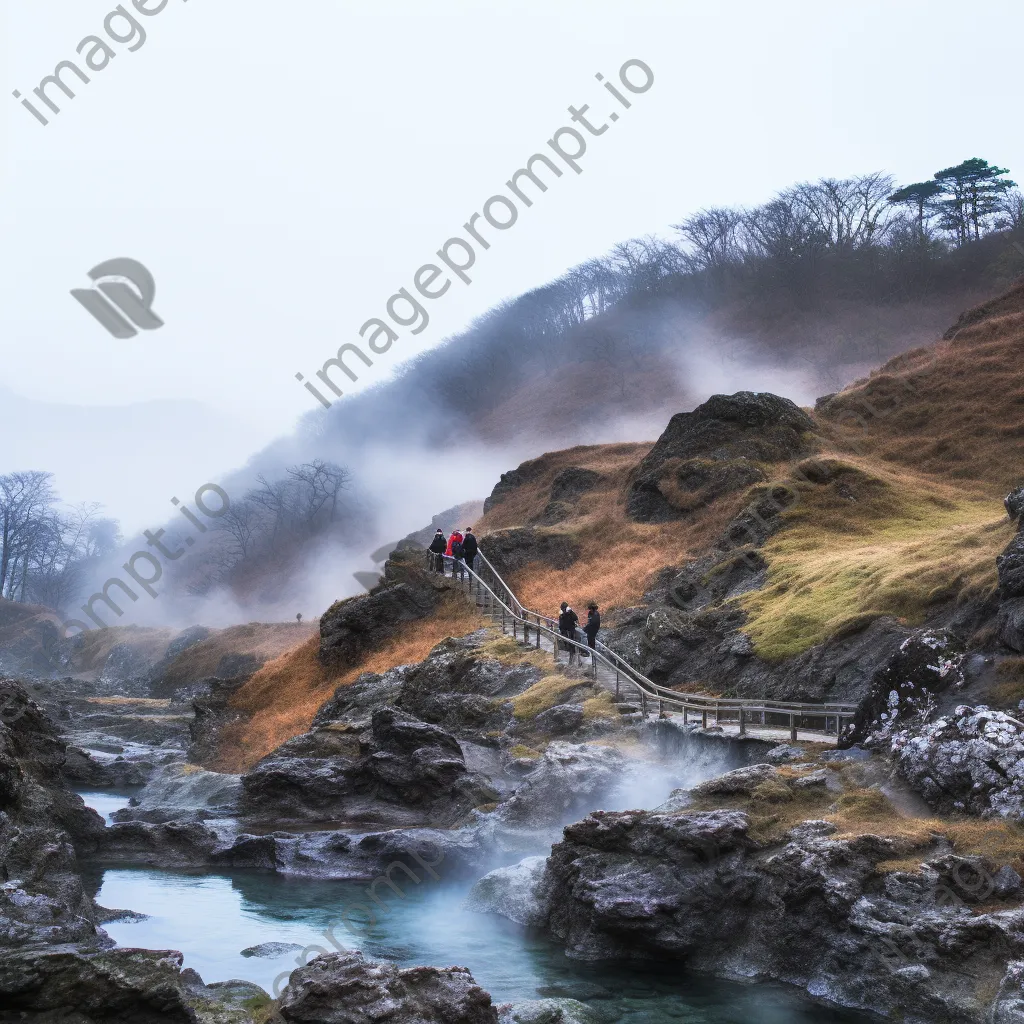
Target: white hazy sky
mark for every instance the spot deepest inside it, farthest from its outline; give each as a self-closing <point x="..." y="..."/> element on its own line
<point x="282" y="169"/>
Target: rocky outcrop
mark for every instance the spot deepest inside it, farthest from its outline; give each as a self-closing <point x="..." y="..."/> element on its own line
<point x="180" y="790"/>
<point x="511" y="550"/>
<point x="928" y="663"/>
<point x="568" y="779"/>
<point x="346" y="988"/>
<point x="402" y="770"/>
<point x="971" y="761"/>
<point x="455" y="687"/>
<point x="810" y="910"/>
<point x="352" y="628"/>
<point x="43" y="827"/>
<point x="713" y="451"/>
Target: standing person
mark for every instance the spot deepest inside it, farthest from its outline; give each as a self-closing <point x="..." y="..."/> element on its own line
<point x="455" y="549"/>
<point x="456" y="536"/>
<point x="438" y="547"/>
<point x="568" y="620"/>
<point x="593" y="625"/>
<point x="469" y="546"/>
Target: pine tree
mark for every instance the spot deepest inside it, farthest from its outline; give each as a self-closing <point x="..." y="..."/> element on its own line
<point x="972" y="191"/>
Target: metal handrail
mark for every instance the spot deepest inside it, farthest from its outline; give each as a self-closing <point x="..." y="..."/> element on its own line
<point x="625" y="667"/>
<point x="511" y="607"/>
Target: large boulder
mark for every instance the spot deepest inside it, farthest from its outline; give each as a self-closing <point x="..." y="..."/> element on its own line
<point x="809" y="909"/>
<point x="401" y="770"/>
<point x="927" y="663"/>
<point x="346" y="988"/>
<point x="970" y="761"/>
<point x="713" y="451"/>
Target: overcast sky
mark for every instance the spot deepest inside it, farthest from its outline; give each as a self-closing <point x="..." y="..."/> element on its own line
<point x="283" y="169"/>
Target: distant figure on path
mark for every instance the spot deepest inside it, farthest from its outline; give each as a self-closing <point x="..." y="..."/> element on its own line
<point x="469" y="546"/>
<point x="438" y="548"/>
<point x="568" y="620"/>
<point x="593" y="625"/>
<point x="298" y="618"/>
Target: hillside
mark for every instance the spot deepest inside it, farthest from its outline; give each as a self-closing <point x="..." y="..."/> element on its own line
<point x="759" y="549"/>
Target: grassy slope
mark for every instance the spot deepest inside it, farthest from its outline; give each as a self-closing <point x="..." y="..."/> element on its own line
<point x="928" y="446"/>
<point x="281" y="699"/>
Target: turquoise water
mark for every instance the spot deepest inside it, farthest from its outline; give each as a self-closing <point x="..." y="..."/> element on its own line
<point x="105" y="801"/>
<point x="211" y="918"/>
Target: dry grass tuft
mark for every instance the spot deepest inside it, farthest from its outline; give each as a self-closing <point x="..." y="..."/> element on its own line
<point x="281" y="699"/>
<point x="544" y="694"/>
<point x="869" y="543"/>
<point x="138" y="702"/>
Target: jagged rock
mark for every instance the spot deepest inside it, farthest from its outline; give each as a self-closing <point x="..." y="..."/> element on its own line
<point x="511" y="550"/>
<point x="346" y="988"/>
<point x="178" y="788"/>
<point x="784" y="752"/>
<point x="116" y="984"/>
<point x="454" y="687"/>
<point x="928" y="662"/>
<point x="515" y="889"/>
<point x="43" y="828"/>
<point x="1010" y="624"/>
<point x="550" y="1011"/>
<point x="696" y="888"/>
<point x="714" y="450"/>
<point x="970" y="761"/>
<point x="404" y="770"/>
<point x="1010" y="565"/>
<point x="1014" y="502"/>
<point x="740" y="780"/>
<point x="270" y="949"/>
<point x="86" y="769"/>
<point x="561" y="720"/>
<point x="165" y="844"/>
<point x="526" y="473"/>
<point x="357" y="625"/>
<point x="568" y="779"/>
<point x="124" y="662"/>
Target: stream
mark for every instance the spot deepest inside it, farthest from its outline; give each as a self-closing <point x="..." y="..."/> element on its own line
<point x="213" y="917"/>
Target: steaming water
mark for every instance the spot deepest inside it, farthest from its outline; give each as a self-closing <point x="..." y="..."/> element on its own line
<point x="212" y="918"/>
<point x="105" y="801"/>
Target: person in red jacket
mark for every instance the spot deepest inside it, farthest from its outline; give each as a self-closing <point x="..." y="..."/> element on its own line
<point x="456" y="536"/>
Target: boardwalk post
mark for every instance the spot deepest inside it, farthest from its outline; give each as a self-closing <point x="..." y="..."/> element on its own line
<point x="515" y="635"/>
<point x="792" y="727"/>
<point x="686" y="712"/>
<point x="743" y="723"/>
<point x="661" y="709"/>
<point x="704" y="718"/>
<point x="503" y="619"/>
<point x="538" y="632"/>
<point x="616" y="684"/>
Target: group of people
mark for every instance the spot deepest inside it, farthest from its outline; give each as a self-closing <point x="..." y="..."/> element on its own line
<point x="462" y="547"/>
<point x="569" y="622"/>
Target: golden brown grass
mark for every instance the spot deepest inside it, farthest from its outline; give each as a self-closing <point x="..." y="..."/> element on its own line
<point x="1009" y="690"/>
<point x="952" y="410"/>
<point x="774" y="807"/>
<point x="281" y="699"/>
<point x="618" y="557"/>
<point x="263" y="640"/>
<point x="873" y="541"/>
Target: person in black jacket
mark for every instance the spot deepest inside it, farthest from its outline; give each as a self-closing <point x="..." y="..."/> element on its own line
<point x="469" y="547"/>
<point x="438" y="546"/>
<point x="568" y="620"/>
<point x="593" y="625"/>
